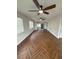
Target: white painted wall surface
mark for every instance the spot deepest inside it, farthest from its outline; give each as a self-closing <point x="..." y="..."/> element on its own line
<point x="60" y="29"/>
<point x="54" y="25"/>
<point x="27" y="30"/>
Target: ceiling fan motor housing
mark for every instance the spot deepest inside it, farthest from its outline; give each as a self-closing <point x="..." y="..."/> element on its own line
<point x="41" y="7"/>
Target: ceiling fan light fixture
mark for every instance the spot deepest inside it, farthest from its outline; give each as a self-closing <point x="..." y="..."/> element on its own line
<point x="40" y="11"/>
<point x="40" y="19"/>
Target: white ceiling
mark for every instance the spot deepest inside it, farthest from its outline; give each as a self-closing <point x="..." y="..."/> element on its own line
<point x="24" y="5"/>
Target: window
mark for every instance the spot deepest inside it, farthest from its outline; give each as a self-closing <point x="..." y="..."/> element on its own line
<point x="31" y="24"/>
<point x="20" y="27"/>
<point x="39" y="25"/>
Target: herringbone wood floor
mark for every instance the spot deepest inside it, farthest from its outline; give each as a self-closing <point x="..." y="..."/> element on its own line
<point x="41" y="44"/>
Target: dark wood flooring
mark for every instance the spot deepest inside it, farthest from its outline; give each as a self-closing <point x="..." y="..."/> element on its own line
<point x="40" y="44"/>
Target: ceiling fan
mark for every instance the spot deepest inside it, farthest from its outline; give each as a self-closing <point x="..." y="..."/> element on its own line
<point x="42" y="19"/>
<point x="41" y="9"/>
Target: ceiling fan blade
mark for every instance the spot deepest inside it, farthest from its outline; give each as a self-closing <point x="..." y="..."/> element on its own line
<point x="50" y="7"/>
<point x="33" y="10"/>
<point x="45" y="12"/>
<point x="36" y="3"/>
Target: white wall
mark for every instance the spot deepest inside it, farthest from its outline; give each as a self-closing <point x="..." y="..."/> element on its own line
<point x="54" y="26"/>
<point x="27" y="31"/>
<point x="60" y="29"/>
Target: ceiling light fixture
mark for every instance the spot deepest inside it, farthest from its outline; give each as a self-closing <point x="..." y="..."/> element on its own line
<point x="40" y="19"/>
<point x="40" y="11"/>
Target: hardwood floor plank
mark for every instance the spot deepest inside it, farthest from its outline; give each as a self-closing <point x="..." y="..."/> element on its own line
<point x="40" y="44"/>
